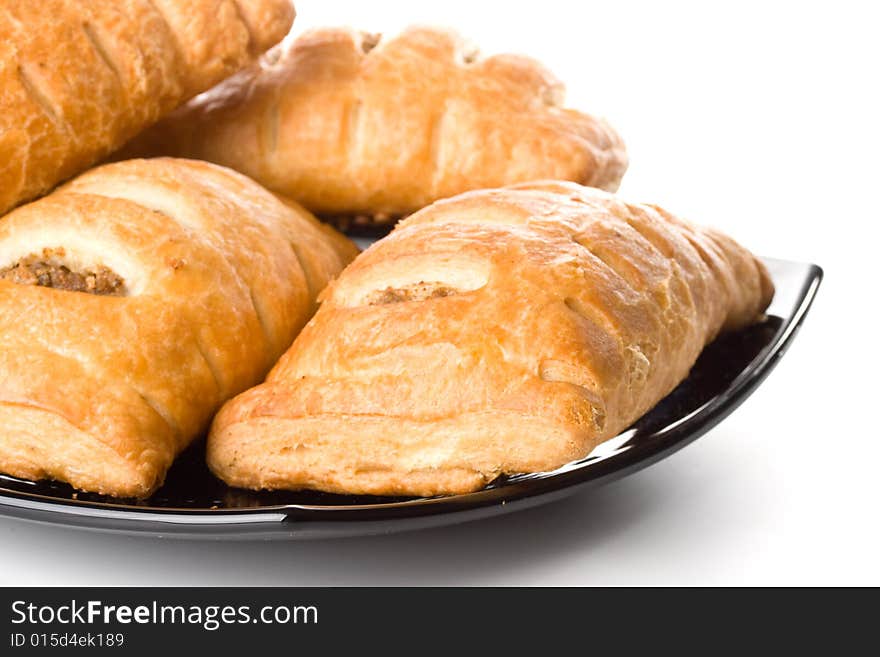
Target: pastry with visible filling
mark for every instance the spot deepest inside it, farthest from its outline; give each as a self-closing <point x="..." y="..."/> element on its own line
<point x="498" y="332"/>
<point x="79" y="78"/>
<point x="134" y="301"/>
<point x="363" y="129"/>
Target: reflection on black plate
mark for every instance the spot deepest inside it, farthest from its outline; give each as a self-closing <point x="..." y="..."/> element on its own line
<point x="194" y="503"/>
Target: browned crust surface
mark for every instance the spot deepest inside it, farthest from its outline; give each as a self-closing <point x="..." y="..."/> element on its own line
<point x="81" y="77"/>
<point x="103" y="391"/>
<point x="561" y="315"/>
<point x="373" y="129"/>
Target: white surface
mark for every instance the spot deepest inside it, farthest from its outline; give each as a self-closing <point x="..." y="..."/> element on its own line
<point x="758" y="117"/>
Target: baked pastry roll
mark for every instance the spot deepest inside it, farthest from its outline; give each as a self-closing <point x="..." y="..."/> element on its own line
<point x="501" y="331"/>
<point x="81" y="77"/>
<point x="134" y="301"/>
<point x="354" y="126"/>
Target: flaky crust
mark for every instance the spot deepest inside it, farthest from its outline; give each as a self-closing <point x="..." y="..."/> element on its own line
<point x="220" y="275"/>
<point x="78" y="78"/>
<point x="501" y="331"/>
<point x="348" y="126"/>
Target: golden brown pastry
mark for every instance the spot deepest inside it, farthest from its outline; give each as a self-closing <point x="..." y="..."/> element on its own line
<point x="78" y="78"/>
<point x="500" y="331"/>
<point x="136" y="299"/>
<point x="350" y="124"/>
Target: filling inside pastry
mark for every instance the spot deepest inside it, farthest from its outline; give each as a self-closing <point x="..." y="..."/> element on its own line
<point x="42" y="269"/>
<point x="469" y="55"/>
<point x="369" y="41"/>
<point x="416" y="292"/>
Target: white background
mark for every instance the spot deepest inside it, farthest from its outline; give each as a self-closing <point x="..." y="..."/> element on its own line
<point x="758" y="117"/>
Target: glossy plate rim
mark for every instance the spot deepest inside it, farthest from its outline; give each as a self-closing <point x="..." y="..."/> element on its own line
<point x="797" y="284"/>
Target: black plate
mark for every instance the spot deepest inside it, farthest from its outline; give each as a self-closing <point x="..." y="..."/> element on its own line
<point x="194" y="503"/>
